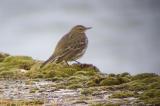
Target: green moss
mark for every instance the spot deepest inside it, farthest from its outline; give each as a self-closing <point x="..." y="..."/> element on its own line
<point x="115" y="80"/>
<point x="144" y="75"/>
<point x="90" y="71"/>
<point x="122" y="94"/>
<point x="59" y="70"/>
<point x="61" y="85"/>
<point x="87" y="91"/>
<point x="112" y="75"/>
<point x="33" y="102"/>
<point x="136" y="86"/>
<point x="85" y="73"/>
<point x="91" y="83"/>
<point x="74" y="82"/>
<point x="94" y="80"/>
<point x="35" y="71"/>
<point x="106" y="104"/>
<point x="151" y="96"/>
<point x="144" y="84"/>
<point x="153" y="101"/>
<point x="151" y="80"/>
<point x="65" y="72"/>
<point x="55" y="79"/>
<point x="6" y="74"/>
<point x="49" y="71"/>
<point x="125" y="74"/>
<point x="110" y="81"/>
<point x="122" y="80"/>
<point x="12" y="74"/>
<point x="21" y="102"/>
<point x="21" y="61"/>
<point x="3" y="56"/>
<point x="34" y="74"/>
<point x="75" y="86"/>
<point x="16" y="62"/>
<point x="154" y="85"/>
<point x="78" y="78"/>
<point x="83" y="76"/>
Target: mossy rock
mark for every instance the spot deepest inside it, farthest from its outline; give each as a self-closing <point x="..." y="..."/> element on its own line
<point x="60" y="70"/>
<point x="17" y="62"/>
<point x="49" y="71"/>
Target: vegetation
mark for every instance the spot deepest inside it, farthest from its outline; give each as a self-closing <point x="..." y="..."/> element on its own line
<point x="122" y="94"/>
<point x="145" y="86"/>
<point x="21" y="103"/>
<point x="103" y="104"/>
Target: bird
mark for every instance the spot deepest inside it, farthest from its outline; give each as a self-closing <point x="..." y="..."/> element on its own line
<point x="70" y="47"/>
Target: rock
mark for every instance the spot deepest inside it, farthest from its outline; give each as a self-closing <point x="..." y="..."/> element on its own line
<point x="76" y="84"/>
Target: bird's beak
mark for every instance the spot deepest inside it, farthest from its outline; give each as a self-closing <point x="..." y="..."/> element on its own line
<point x="88" y="28"/>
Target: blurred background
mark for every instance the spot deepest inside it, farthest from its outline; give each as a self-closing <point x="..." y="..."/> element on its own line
<point x="125" y="36"/>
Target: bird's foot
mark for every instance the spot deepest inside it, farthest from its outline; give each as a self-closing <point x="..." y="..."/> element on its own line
<point x="77" y="62"/>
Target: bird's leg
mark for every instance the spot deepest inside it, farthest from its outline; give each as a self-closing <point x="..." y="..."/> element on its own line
<point x="80" y="64"/>
<point x="66" y="63"/>
<point x="77" y="62"/>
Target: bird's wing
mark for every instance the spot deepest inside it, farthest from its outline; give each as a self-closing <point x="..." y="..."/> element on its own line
<point x="62" y="45"/>
<point x="70" y="40"/>
<point x="69" y="45"/>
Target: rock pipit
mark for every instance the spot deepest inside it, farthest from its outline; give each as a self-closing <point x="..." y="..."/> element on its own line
<point x="71" y="46"/>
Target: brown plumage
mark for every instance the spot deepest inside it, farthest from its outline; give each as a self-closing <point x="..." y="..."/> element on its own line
<point x="71" y="46"/>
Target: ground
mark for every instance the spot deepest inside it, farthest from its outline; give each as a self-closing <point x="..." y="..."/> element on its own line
<point x="23" y="82"/>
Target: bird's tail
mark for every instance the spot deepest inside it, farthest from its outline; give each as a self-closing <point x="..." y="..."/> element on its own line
<point x="47" y="61"/>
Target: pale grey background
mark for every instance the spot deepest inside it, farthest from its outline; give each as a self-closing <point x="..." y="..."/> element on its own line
<point x="125" y="34"/>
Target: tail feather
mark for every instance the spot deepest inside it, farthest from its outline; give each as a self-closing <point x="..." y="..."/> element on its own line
<point x="47" y="61"/>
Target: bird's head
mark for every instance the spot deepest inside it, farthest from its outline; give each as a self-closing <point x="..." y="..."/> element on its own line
<point x="80" y="29"/>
